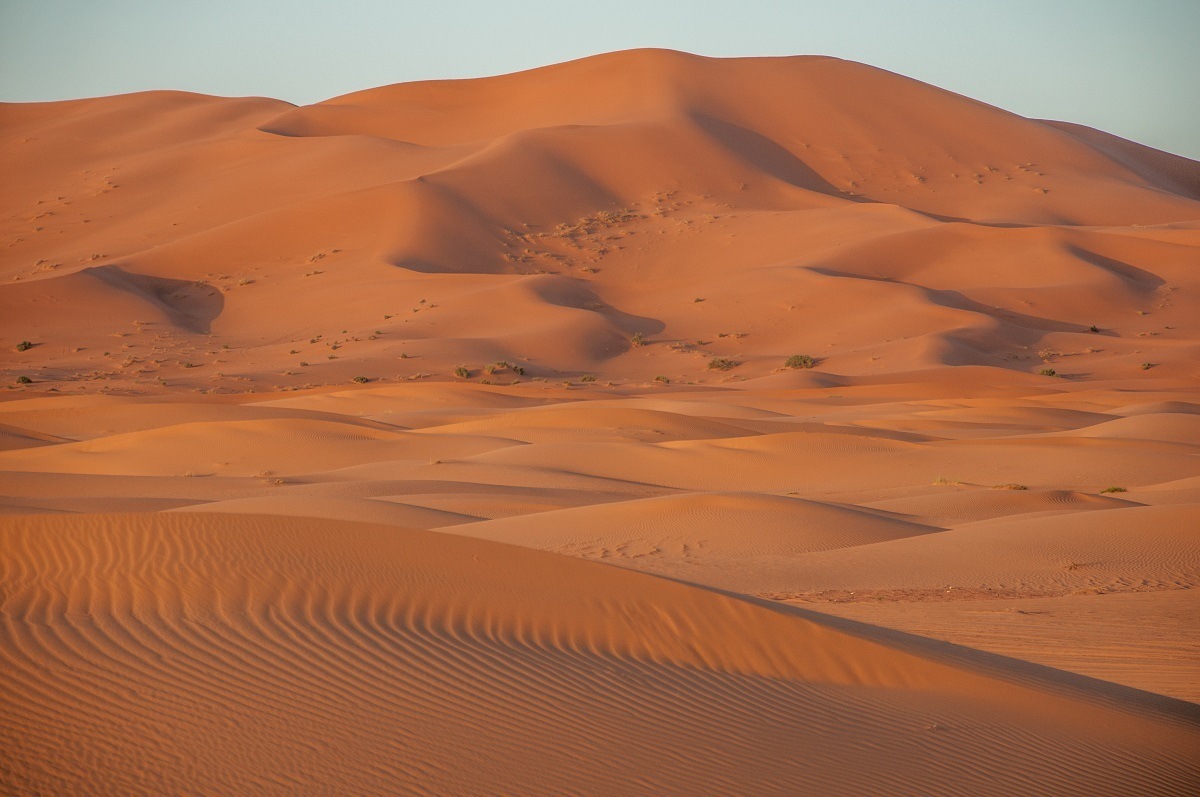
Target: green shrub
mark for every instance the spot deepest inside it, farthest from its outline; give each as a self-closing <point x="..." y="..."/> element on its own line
<point x="462" y="372"/>
<point x="362" y="380"/>
<point x="24" y="346"/>
<point x="800" y="361"/>
<point x="1048" y="372"/>
<point x="24" y="380"/>
<point x="722" y="364"/>
<point x="638" y="339"/>
<point x="1113" y="490"/>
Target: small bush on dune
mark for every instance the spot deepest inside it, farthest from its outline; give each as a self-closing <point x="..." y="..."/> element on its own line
<point x="799" y="361"/>
<point x="462" y="372"/>
<point x="24" y="346"/>
<point x="1048" y="372"/>
<point x="722" y="364"/>
<point x="24" y="380"/>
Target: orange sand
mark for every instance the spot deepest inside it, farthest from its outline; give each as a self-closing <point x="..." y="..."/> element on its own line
<point x="216" y="560"/>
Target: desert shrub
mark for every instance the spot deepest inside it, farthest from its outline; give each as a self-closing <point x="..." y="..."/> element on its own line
<point x="1048" y="372"/>
<point x="722" y="364"/>
<point x="799" y="361"/>
<point x="24" y="346"/>
<point x="1113" y="490"/>
<point x="462" y="372"/>
<point x="662" y="379"/>
<point x="24" y="380"/>
<point x="587" y="378"/>
<point x="638" y="339"/>
<point x="362" y="380"/>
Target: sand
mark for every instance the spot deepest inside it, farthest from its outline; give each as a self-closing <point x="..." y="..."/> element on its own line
<point x="441" y="438"/>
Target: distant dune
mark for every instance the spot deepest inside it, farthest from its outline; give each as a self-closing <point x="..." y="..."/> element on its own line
<point x="546" y="218"/>
<point x="875" y="408"/>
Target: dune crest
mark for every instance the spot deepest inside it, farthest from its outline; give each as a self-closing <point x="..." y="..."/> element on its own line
<point x="424" y="661"/>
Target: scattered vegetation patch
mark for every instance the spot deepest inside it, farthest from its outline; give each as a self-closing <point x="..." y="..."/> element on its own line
<point x="662" y="380"/>
<point x="1010" y="487"/>
<point x="24" y="380"/>
<point x="587" y="378"/>
<point x="799" y="361"/>
<point x="1048" y="372"/>
<point x="1147" y="366"/>
<point x="362" y="380"/>
<point x="722" y="364"/>
<point x="1113" y="490"/>
<point x="24" y="346"/>
<point x="1093" y="328"/>
<point x="500" y="365"/>
<point x="638" y="339"/>
<point x="462" y="372"/>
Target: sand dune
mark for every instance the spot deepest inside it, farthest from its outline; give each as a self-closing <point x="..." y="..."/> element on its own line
<point x="734" y="541"/>
<point x="291" y="393"/>
<point x="432" y="660"/>
<point x="688" y="182"/>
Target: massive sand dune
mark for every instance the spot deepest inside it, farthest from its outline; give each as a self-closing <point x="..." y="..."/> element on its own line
<point x="228" y="568"/>
<point x="177" y="653"/>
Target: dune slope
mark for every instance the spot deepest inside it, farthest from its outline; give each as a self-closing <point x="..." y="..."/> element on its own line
<point x="263" y="655"/>
<point x="627" y="216"/>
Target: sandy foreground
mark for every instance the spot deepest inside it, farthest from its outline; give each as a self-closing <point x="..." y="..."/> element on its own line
<point x="258" y="536"/>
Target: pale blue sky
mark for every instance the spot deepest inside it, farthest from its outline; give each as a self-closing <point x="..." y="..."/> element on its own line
<point x="1131" y="67"/>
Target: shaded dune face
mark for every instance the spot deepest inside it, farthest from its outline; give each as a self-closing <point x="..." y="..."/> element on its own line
<point x="548" y="217"/>
<point x="272" y="655"/>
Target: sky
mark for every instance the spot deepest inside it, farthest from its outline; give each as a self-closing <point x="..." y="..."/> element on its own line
<point x="1130" y="67"/>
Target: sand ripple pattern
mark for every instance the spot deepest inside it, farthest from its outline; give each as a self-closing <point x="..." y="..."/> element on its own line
<point x="262" y="655"/>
